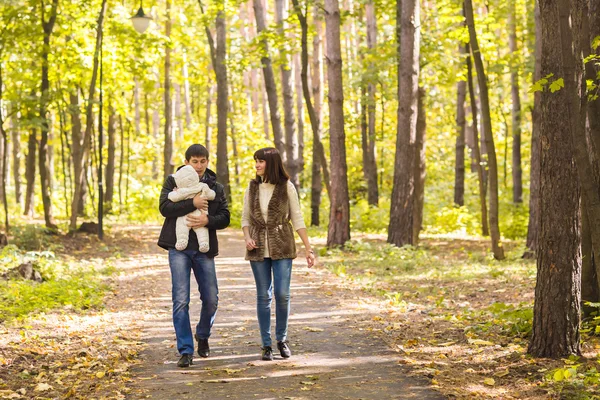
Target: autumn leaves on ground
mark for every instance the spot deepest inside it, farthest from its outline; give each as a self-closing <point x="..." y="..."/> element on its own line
<point x="450" y="313"/>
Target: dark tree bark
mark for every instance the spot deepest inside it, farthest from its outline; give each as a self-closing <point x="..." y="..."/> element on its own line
<point x="557" y="293"/>
<point x="338" y="232"/>
<point x="589" y="277"/>
<point x="30" y="173"/>
<point x="45" y="177"/>
<point x="83" y="144"/>
<point x="110" y="162"/>
<point x="497" y="248"/>
<point x="168" y="166"/>
<point x="517" y="171"/>
<point x="400" y="230"/>
<point x="459" y="167"/>
<point x="534" y="177"/>
<point x="419" y="168"/>
<point x="269" y="77"/>
<point x="300" y="111"/>
<point x="4" y="159"/>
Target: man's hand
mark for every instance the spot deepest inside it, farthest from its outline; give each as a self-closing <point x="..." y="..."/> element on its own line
<point x="200" y="202"/>
<point x="196" y="221"/>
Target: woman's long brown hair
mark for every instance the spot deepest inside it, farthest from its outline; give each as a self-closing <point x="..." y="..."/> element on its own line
<point x="275" y="171"/>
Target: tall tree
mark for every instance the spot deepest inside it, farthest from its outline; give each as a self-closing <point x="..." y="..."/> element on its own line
<point x="534" y="179"/>
<point x="487" y="133"/>
<point x="48" y="27"/>
<point x="269" y="78"/>
<point x="16" y="150"/>
<point x="291" y="140"/>
<point x="459" y="165"/>
<point x="83" y="143"/>
<point x="110" y="162"/>
<point x="556" y="315"/>
<point x="218" y="54"/>
<point x="420" y="167"/>
<point x="30" y="172"/>
<point x="517" y="171"/>
<point x="370" y="163"/>
<point x="338" y="232"/>
<point x="400" y="230"/>
<point x="168" y="166"/>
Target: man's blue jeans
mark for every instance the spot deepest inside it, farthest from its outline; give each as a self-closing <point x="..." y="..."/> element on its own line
<point x="181" y="264"/>
<point x="268" y="275"/>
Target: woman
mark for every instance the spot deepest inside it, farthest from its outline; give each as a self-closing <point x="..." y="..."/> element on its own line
<point x="270" y="203"/>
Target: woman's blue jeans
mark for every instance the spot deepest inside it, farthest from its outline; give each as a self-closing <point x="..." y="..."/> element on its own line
<point x="182" y="263"/>
<point x="268" y="275"/>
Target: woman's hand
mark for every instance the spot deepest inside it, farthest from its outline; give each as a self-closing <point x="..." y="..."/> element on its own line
<point x="251" y="244"/>
<point x="310" y="258"/>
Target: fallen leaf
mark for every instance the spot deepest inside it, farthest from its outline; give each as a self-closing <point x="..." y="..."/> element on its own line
<point x="310" y="329"/>
<point x="489" y="381"/>
<point x="480" y="342"/>
<point x="42" y="387"/>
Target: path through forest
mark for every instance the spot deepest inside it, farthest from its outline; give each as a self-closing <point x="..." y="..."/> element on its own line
<point x="334" y="357"/>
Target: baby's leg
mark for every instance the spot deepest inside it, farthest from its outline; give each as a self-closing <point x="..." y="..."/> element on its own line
<point x="182" y="233"/>
<point x="203" y="241"/>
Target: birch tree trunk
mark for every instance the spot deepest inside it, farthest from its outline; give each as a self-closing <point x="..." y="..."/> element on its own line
<point x="371" y="162"/>
<point x="168" y="166"/>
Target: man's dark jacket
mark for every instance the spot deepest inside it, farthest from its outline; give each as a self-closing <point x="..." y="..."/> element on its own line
<point x="218" y="214"/>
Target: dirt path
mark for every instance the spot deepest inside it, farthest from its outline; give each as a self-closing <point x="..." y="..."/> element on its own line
<point x="334" y="356"/>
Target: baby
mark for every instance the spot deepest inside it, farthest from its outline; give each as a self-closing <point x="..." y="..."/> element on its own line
<point x="189" y="186"/>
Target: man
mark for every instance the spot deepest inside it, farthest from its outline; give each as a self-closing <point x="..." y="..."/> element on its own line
<point x="183" y="262"/>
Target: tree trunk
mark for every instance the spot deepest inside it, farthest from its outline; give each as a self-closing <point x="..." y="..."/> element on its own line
<point x="177" y="110"/>
<point x="419" y="168"/>
<point x="222" y="103"/>
<point x="110" y="162"/>
<point x="459" y="167"/>
<point x="291" y="141"/>
<point x="300" y="112"/>
<point x="83" y="144"/>
<point x="476" y="152"/>
<point x="557" y="293"/>
<point x="30" y="173"/>
<point x="16" y="151"/>
<point x="269" y="77"/>
<point x="488" y="134"/>
<point x="4" y="160"/>
<point x="168" y="145"/>
<point x="136" y="105"/>
<point x="371" y="162"/>
<point x="186" y="92"/>
<point x="209" y="122"/>
<point x="534" y="180"/>
<point x="234" y="146"/>
<point x="589" y="277"/>
<point x="48" y="27"/>
<point x="400" y="230"/>
<point x="338" y="232"/>
<point x="517" y="172"/>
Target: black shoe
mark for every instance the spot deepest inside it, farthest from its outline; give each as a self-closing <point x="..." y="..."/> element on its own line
<point x="185" y="361"/>
<point x="267" y="353"/>
<point x="203" y="349"/>
<point x="284" y="349"/>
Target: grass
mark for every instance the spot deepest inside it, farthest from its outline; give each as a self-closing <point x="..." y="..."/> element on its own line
<point x="460" y="317"/>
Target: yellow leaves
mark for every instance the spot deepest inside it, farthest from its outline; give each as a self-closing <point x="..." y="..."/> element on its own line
<point x="480" y="342"/>
<point x="311" y="329"/>
<point x="489" y="381"/>
<point x="502" y="373"/>
<point x="100" y="374"/>
<point x="42" y="387"/>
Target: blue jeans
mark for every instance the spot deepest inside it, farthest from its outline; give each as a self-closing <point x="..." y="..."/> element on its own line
<point x="269" y="274"/>
<point x="181" y="264"/>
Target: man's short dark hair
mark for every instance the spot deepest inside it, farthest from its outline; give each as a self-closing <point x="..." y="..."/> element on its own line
<point x="196" y="150"/>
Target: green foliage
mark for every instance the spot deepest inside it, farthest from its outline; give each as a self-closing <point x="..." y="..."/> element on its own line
<point x="452" y="220"/>
<point x="366" y="218"/>
<point x="514" y="221"/>
<point x="513" y="320"/>
<point x="64" y="284"/>
<point x="577" y="380"/>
